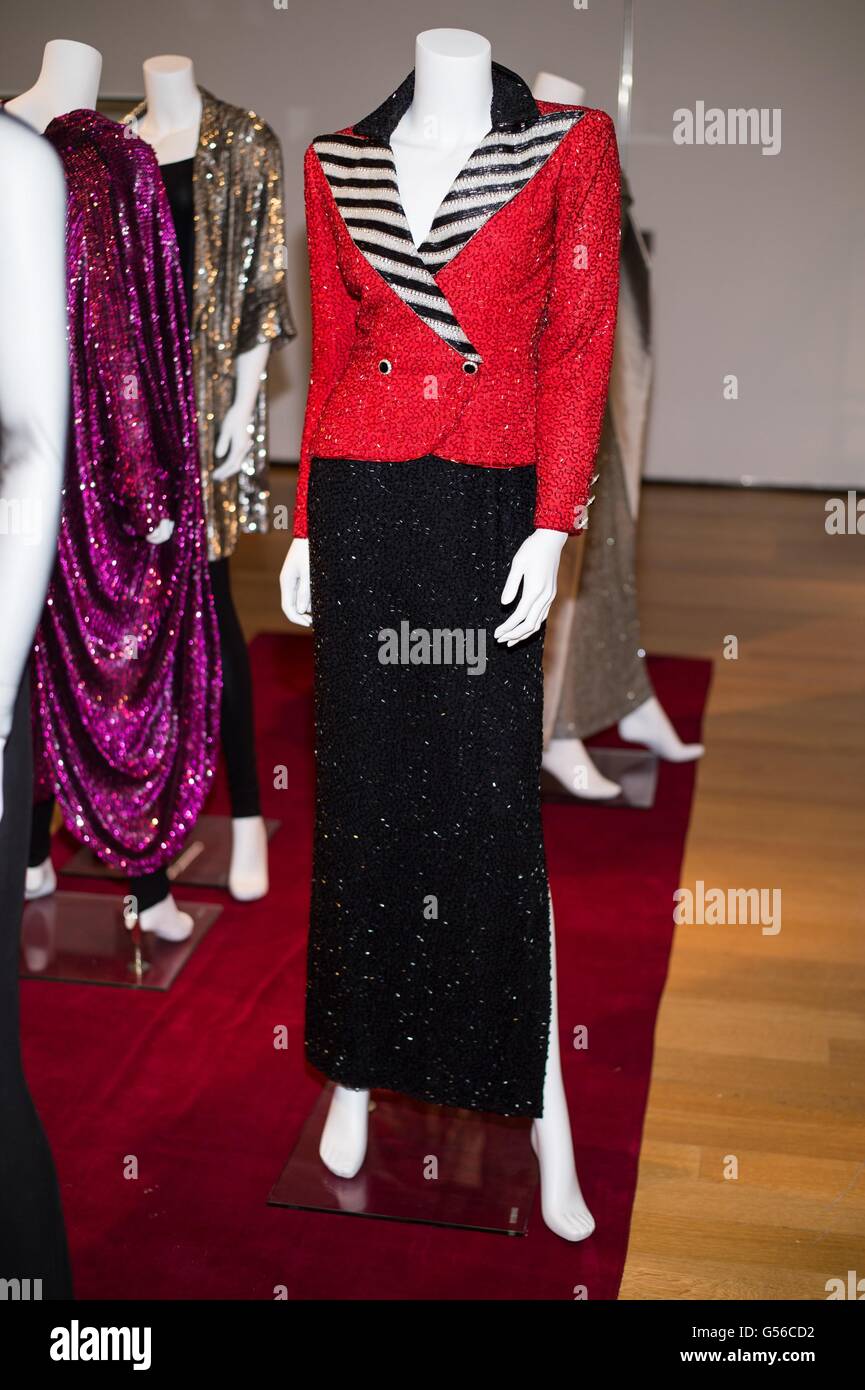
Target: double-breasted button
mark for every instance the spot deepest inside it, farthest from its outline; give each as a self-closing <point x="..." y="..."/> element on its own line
<point x="385" y="367"/>
<point x="470" y="368"/>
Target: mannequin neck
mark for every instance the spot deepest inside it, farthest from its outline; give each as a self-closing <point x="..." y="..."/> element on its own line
<point x="453" y="87"/>
<point x="172" y="96"/>
<point x="67" y="81"/>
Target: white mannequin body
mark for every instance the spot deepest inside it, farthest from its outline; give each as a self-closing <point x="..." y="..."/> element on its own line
<point x="171" y="124"/>
<point x="449" y="115"/>
<point x="567" y="759"/>
<point x="34" y="393"/>
<point x="67" y="81"/>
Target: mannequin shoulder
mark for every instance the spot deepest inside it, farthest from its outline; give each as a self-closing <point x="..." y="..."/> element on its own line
<point x="28" y="157"/>
<point x="590" y="143"/>
<point x="34" y="186"/>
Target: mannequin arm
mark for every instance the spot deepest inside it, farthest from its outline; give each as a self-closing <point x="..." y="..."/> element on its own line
<point x="233" y="443"/>
<point x="34" y="393"/>
<point x="535" y="566"/>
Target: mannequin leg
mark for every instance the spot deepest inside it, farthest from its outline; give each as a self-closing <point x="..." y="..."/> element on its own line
<point x="649" y="724"/>
<point x="562" y="1204"/>
<point x="40" y="880"/>
<point x="156" y="909"/>
<point x="344" y="1138"/>
<point x="32" y="1238"/>
<point x="248" y="872"/>
<point x="567" y="759"/>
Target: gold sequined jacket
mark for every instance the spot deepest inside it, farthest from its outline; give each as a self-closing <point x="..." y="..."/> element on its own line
<point x="239" y="298"/>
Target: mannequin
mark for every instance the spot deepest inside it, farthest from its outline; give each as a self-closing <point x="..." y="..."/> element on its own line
<point x="171" y="123"/>
<point x="68" y="82"/>
<point x="449" y="115"/>
<point x="34" y="397"/>
<point x="568" y="758"/>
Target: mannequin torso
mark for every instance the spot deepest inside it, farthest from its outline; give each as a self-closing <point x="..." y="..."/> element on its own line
<point x="172" y="120"/>
<point x="68" y="81"/>
<point x="448" y="118"/>
<point x="171" y="124"/>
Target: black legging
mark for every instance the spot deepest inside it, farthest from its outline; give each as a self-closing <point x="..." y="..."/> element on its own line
<point x="237" y="728"/>
<point x="32" y="1237"/>
<point x="236" y="732"/>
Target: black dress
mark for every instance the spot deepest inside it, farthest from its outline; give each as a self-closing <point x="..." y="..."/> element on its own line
<point x="429" y="949"/>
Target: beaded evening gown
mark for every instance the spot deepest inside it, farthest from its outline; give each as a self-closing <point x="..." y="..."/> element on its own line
<point x="455" y="405"/>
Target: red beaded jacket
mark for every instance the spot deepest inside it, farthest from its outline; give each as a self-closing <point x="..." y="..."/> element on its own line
<point x="490" y="344"/>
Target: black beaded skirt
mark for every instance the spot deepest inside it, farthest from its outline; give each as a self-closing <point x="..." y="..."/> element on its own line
<point x="429" y="944"/>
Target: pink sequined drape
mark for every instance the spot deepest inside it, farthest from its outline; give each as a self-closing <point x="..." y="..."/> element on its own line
<point x="127" y="676"/>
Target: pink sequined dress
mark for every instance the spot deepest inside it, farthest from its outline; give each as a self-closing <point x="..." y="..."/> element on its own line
<point x="126" y="665"/>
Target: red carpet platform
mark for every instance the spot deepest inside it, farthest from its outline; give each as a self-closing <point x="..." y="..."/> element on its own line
<point x="191" y="1085"/>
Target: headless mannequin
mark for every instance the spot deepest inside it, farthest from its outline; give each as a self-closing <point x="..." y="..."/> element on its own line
<point x="34" y="397"/>
<point x="568" y="758"/>
<point x="171" y="125"/>
<point x="69" y="81"/>
<point x="449" y="115"/>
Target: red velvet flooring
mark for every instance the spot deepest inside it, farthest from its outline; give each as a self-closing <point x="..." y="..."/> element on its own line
<point x="190" y="1082"/>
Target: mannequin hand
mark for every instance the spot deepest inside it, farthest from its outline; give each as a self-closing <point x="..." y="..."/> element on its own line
<point x="294" y="584"/>
<point x="536" y="565"/>
<point x="232" y="446"/>
<point x="163" y="532"/>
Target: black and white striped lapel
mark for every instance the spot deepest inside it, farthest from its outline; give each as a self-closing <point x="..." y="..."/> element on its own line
<point x="362" y="178"/>
<point x="361" y="171"/>
<point x="499" y="169"/>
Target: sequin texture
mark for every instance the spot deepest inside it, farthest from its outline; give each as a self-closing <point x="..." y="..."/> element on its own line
<point x="429" y="946"/>
<point x="532" y="292"/>
<point x="127" y="675"/>
<point x="239" y="299"/>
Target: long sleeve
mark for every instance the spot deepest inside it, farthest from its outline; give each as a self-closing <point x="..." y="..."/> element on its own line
<point x="576" y="346"/>
<point x="266" y="314"/>
<point x="333" y="318"/>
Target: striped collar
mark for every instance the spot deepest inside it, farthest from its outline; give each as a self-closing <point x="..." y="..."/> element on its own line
<point x="513" y="107"/>
<point x="359" y="166"/>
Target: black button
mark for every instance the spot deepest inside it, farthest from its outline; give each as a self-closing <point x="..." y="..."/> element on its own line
<point x="470" y="368"/>
<point x="385" y="367"/>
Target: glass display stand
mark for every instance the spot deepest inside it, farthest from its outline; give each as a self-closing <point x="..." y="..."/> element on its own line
<point x="424" y="1163"/>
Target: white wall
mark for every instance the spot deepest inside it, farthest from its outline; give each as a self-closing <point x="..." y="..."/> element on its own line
<point x="759" y="261"/>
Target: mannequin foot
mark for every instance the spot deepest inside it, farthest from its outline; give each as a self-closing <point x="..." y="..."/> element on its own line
<point x="562" y="1205"/>
<point x="41" y="880"/>
<point x="649" y="724"/>
<point x="166" y="921"/>
<point x="247" y="874"/>
<point x="567" y="760"/>
<point x="343" y="1139"/>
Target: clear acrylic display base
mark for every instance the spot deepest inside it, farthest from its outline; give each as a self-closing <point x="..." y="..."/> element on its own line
<point x="81" y="938"/>
<point x="202" y="863"/>
<point x="424" y="1163"/>
<point x="634" y="769"/>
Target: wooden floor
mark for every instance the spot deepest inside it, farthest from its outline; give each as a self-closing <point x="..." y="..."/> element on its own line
<point x="760" y="1049"/>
